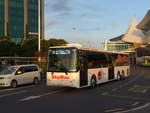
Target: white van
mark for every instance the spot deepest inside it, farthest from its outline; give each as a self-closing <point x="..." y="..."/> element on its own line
<point x="12" y="76"/>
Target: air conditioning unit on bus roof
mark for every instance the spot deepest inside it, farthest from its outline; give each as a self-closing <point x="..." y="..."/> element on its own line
<point x="74" y="45"/>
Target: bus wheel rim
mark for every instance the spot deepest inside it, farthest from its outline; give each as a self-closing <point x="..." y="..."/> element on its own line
<point x="93" y="82"/>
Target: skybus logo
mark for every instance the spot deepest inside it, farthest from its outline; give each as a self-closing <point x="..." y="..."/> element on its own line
<point x="60" y="77"/>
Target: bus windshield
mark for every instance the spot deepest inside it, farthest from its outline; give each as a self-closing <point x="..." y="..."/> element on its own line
<point x="62" y="60"/>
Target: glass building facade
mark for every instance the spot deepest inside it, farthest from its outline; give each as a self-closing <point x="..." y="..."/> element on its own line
<point x="20" y="19"/>
<point x="120" y="47"/>
<point x="1" y="18"/>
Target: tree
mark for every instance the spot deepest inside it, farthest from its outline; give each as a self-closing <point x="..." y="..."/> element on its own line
<point x="7" y="47"/>
<point x="56" y="42"/>
<point x="29" y="47"/>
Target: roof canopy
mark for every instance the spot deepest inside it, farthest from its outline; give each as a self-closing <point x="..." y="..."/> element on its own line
<point x="145" y="23"/>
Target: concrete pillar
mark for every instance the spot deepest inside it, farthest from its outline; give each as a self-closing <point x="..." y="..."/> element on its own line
<point x="25" y="18"/>
<point x="6" y="17"/>
<point x="42" y="19"/>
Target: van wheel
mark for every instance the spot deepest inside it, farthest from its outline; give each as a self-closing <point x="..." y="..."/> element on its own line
<point x="93" y="82"/>
<point x="35" y="81"/>
<point x="14" y="84"/>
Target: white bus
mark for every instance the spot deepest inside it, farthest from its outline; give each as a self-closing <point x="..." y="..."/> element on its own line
<point x="77" y="66"/>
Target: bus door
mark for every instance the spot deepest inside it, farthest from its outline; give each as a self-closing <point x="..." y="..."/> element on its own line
<point x="83" y="68"/>
<point x="111" y="64"/>
<point x="111" y="73"/>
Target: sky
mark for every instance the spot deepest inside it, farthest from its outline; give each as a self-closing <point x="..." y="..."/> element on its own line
<point x="91" y="22"/>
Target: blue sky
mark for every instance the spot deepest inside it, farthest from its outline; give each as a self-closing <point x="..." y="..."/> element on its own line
<point x="90" y="22"/>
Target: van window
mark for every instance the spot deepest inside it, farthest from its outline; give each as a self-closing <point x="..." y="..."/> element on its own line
<point x="31" y="68"/>
<point x="21" y="70"/>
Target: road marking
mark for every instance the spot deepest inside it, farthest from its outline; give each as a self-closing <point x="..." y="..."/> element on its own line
<point x="113" y="110"/>
<point x="114" y="89"/>
<point x="129" y="97"/>
<point x="139" y="89"/>
<point x="39" y="96"/>
<point x="105" y="93"/>
<point x="134" y="109"/>
<point x="134" y="78"/>
<point x="14" y="89"/>
<point x="10" y="94"/>
<point x="135" y="103"/>
<point x="147" y="77"/>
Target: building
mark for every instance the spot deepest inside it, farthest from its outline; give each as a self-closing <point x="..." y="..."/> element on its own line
<point x="19" y="19"/>
<point x="136" y="40"/>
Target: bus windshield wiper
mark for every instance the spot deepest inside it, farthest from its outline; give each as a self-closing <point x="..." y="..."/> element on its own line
<point x="64" y="69"/>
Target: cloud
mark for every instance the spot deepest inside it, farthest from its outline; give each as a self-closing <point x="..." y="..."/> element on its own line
<point x="91" y="29"/>
<point x="61" y="7"/>
<point x="114" y="24"/>
<point x="53" y="23"/>
<point x="100" y="9"/>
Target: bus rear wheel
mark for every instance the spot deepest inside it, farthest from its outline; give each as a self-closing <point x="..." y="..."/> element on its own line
<point x="93" y="82"/>
<point x="119" y="77"/>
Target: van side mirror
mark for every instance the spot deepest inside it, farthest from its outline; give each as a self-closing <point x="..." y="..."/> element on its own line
<point x="19" y="72"/>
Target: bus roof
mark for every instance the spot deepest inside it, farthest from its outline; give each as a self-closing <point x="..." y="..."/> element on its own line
<point x="80" y="47"/>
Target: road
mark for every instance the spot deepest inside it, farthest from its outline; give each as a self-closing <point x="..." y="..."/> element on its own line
<point x="127" y="96"/>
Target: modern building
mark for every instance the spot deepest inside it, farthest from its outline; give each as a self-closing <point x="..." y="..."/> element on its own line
<point x="136" y="40"/>
<point x="19" y="19"/>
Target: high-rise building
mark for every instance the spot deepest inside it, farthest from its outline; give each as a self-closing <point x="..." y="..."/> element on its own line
<point x="19" y="19"/>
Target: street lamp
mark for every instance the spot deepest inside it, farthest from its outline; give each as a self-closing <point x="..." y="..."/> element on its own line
<point x="39" y="30"/>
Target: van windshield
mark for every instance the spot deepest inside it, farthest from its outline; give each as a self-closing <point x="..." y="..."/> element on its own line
<point x="7" y="70"/>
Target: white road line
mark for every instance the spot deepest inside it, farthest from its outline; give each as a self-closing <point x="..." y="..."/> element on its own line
<point x="39" y="96"/>
<point x="134" y="109"/>
<point x="14" y="89"/>
<point x="10" y="94"/>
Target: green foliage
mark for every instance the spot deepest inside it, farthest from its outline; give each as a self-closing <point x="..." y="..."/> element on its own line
<point x="5" y="38"/>
<point x="56" y="42"/>
<point x="7" y="47"/>
<point x="28" y="47"/>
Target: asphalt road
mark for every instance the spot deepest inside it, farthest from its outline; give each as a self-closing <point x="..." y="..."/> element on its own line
<point x="131" y="95"/>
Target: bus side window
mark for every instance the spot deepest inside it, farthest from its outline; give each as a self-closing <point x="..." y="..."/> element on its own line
<point x="91" y="64"/>
<point x="96" y="60"/>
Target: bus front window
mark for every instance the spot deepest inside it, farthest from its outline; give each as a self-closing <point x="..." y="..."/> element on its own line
<point x="62" y="60"/>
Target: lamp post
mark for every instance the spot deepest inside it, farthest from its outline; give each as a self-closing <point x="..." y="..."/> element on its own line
<point x="39" y="30"/>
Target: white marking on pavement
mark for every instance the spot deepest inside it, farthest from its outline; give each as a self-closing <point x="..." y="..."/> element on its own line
<point x="134" y="109"/>
<point x="30" y="98"/>
<point x="136" y="103"/>
<point x="10" y="94"/>
<point x="39" y="96"/>
<point x="14" y="89"/>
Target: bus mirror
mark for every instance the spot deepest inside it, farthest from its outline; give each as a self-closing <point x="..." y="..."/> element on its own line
<point x="77" y="68"/>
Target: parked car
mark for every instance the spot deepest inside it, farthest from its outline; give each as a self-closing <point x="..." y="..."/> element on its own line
<point x="12" y="76"/>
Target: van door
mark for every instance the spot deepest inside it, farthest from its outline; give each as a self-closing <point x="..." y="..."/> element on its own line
<point x="20" y="76"/>
<point x="29" y="74"/>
